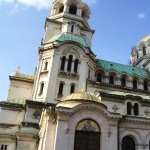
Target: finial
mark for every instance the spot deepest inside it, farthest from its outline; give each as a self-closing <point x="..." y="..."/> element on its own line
<point x="18" y="69"/>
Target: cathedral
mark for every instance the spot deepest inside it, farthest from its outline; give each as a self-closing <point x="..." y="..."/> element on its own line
<point x="74" y="100"/>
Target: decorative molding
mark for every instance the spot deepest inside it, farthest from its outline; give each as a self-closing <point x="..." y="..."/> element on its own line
<point x="68" y="75"/>
<point x="30" y="125"/>
<point x="115" y="108"/>
<point x="90" y="106"/>
<point x="118" y="87"/>
<point x="11" y="106"/>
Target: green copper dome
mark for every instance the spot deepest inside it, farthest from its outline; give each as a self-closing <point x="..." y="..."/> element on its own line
<point x="82" y="95"/>
<point x="67" y="37"/>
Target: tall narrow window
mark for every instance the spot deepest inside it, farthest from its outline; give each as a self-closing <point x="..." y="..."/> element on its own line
<point x="129" y="108"/>
<point x="136" y="109"/>
<point x="3" y="147"/>
<point x="45" y="65"/>
<point x="145" y="85"/>
<point x="72" y="88"/>
<point x="137" y="53"/>
<point x="123" y="81"/>
<point x="69" y="63"/>
<point x="72" y="28"/>
<point x="60" y="91"/>
<point x="135" y="84"/>
<point x="83" y="13"/>
<point x="73" y="9"/>
<point x="89" y="74"/>
<point x="144" y="50"/>
<point x="99" y="77"/>
<point x="76" y="63"/>
<point x="41" y="88"/>
<point x="87" y="136"/>
<point x="111" y="79"/>
<point x="128" y="143"/>
<point x="63" y="61"/>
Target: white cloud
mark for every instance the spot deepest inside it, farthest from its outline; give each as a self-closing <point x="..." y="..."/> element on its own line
<point x="141" y="15"/>
<point x="38" y="4"/>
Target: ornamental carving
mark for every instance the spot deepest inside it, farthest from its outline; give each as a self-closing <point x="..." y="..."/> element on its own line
<point x="88" y="125"/>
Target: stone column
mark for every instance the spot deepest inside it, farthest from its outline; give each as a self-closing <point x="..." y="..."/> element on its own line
<point x="66" y="6"/>
<point x="79" y="12"/>
<point x="83" y="73"/>
<point x="61" y="139"/>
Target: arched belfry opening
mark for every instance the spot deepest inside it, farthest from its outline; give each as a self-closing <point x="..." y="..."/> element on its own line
<point x="87" y="135"/>
<point x="85" y="12"/>
<point x="73" y="9"/>
<point x="61" y="8"/>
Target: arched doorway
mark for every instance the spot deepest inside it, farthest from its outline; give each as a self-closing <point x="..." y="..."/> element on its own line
<point x="128" y="143"/>
<point x="87" y="136"/>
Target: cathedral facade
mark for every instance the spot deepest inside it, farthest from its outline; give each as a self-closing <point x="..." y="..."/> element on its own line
<point x="75" y="101"/>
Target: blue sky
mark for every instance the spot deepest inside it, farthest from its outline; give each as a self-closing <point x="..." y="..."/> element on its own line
<point x="119" y="25"/>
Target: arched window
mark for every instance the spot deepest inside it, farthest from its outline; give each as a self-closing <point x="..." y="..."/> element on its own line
<point x="128" y="143"/>
<point x="41" y="88"/>
<point x="60" y="91"/>
<point x="111" y="79"/>
<point x="76" y="63"/>
<point x="135" y="84"/>
<point x="144" y="50"/>
<point x="89" y="74"/>
<point x="87" y="136"/>
<point x="129" y="108"/>
<point x="3" y="147"/>
<point x="73" y="9"/>
<point x="123" y="81"/>
<point x="137" y="53"/>
<point x="63" y="61"/>
<point x="72" y="88"/>
<point x="136" y="109"/>
<point x="69" y="63"/>
<point x="83" y="13"/>
<point x="145" y="85"/>
<point x="99" y="77"/>
<point x="72" y="28"/>
<point x="45" y="65"/>
<point x="61" y="9"/>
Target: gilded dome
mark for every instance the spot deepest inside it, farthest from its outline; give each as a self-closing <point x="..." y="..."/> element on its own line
<point x="146" y="38"/>
<point x="82" y="95"/>
<point x="143" y="41"/>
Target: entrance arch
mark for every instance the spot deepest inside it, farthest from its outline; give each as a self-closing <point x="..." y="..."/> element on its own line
<point x="87" y="135"/>
<point x="128" y="143"/>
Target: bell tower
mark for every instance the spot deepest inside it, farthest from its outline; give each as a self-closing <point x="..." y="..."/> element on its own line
<point x="65" y="51"/>
<point x="68" y="16"/>
<point x="140" y="55"/>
